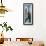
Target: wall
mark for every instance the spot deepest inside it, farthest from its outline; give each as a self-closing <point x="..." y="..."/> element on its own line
<point x="15" y="19"/>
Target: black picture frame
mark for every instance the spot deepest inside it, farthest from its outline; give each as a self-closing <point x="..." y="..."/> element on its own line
<point x="28" y="13"/>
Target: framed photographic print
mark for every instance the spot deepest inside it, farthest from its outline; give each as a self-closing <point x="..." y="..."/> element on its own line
<point x="28" y="13"/>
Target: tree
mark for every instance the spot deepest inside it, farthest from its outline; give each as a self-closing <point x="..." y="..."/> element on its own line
<point x="7" y="27"/>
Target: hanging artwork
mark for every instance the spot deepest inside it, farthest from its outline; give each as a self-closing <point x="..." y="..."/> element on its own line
<point x="28" y="14"/>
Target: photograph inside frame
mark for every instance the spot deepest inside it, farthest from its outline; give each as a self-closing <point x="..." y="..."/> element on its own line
<point x="27" y="13"/>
